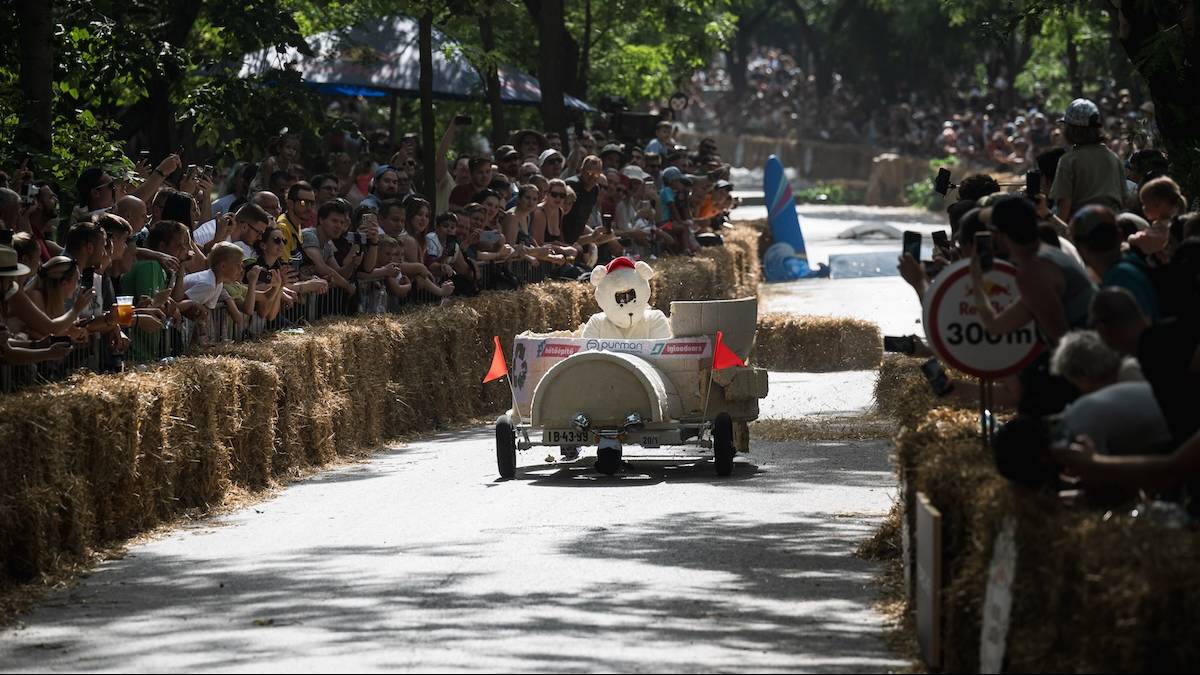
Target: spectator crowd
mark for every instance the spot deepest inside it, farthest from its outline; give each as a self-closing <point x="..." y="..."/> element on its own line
<point x="1107" y="257"/>
<point x="142" y="264"/>
<point x="973" y="125"/>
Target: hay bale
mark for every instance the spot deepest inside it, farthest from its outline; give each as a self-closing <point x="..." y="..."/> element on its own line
<point x="816" y="344"/>
<point x="1090" y="592"/>
<point x="101" y="457"/>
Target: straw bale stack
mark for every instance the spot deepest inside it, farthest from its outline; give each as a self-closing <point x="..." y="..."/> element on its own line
<point x="816" y="344"/>
<point x="1093" y="591"/>
<point x="100" y="458"/>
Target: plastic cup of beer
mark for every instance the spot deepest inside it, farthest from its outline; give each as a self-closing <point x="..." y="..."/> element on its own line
<point x="125" y="310"/>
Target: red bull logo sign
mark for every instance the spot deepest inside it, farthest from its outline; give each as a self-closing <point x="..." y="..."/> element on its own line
<point x="956" y="333"/>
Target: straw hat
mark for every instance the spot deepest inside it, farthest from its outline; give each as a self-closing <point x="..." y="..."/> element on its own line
<point x="9" y="265"/>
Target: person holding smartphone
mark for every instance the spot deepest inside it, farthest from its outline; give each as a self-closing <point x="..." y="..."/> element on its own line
<point x="1055" y="292"/>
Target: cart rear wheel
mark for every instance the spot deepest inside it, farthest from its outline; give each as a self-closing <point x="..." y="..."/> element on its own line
<point x="506" y="447"/>
<point x="723" y="450"/>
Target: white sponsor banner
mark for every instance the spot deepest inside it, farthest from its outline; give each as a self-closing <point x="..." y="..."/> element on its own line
<point x="533" y="356"/>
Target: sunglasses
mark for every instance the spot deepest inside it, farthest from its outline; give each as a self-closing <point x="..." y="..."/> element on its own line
<point x="558" y="195"/>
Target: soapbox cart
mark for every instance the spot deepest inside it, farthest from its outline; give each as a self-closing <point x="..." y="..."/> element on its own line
<point x="578" y="392"/>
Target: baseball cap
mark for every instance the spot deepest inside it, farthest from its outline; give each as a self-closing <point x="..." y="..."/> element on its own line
<point x="1082" y="113"/>
<point x="506" y="152"/>
<point x="611" y="148"/>
<point x="634" y="172"/>
<point x="672" y="173"/>
<point x="722" y="184"/>
<point x="547" y="154"/>
<point x="1016" y="218"/>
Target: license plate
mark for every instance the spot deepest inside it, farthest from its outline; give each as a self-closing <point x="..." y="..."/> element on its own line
<point x="566" y="437"/>
<point x="649" y="442"/>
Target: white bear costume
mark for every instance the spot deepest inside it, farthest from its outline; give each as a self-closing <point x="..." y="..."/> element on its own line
<point x="623" y="292"/>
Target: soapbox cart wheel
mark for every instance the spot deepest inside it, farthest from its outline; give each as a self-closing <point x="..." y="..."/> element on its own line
<point x="506" y="447"/>
<point x="723" y="450"/>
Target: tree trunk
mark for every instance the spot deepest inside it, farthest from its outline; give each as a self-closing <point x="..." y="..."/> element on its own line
<point x="1174" y="86"/>
<point x="552" y="72"/>
<point x="180" y="16"/>
<point x="425" y="40"/>
<point x="491" y="76"/>
<point x="585" y="53"/>
<point x="1073" y="75"/>
<point x="36" y="43"/>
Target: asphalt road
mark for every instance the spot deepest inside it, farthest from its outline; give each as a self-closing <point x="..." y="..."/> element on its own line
<point x="421" y="560"/>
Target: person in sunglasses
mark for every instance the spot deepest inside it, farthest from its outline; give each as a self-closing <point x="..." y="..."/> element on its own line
<point x="301" y="213"/>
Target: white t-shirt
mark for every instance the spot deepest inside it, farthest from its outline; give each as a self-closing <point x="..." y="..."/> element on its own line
<point x="433" y="245"/>
<point x="205" y="233"/>
<point x="1123" y="419"/>
<point x="208" y="230"/>
<point x="221" y="206"/>
<point x="202" y="288"/>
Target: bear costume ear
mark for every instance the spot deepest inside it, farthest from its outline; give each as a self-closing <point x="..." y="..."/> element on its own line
<point x="644" y="270"/>
<point x="598" y="274"/>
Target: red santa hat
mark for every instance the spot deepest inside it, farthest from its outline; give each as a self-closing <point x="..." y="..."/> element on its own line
<point x="618" y="263"/>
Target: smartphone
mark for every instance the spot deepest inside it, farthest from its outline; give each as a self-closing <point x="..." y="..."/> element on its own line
<point x="87" y="279"/>
<point x="941" y="241"/>
<point x="902" y="344"/>
<point x="912" y="244"/>
<point x="936" y="375"/>
<point x="462" y="120"/>
<point x="942" y="184"/>
<point x="984" y="250"/>
<point x="143" y="155"/>
<point x="1033" y="183"/>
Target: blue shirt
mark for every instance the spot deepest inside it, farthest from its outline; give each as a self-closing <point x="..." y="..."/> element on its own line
<point x="1130" y="273"/>
<point x="656" y="146"/>
<point x="666" y="197"/>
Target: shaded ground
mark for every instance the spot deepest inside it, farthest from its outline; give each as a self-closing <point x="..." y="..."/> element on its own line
<point x="421" y="560"/>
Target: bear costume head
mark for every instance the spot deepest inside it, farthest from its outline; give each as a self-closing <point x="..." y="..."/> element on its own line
<point x="623" y="290"/>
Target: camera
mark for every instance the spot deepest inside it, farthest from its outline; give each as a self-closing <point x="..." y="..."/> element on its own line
<point x="899" y="345"/>
<point x="942" y="184"/>
<point x="1033" y="183"/>
<point x="983" y="249"/>
<point x="935" y="374"/>
<point x="264" y="276"/>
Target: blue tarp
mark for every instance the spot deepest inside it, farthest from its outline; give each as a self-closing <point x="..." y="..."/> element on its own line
<point x="381" y="57"/>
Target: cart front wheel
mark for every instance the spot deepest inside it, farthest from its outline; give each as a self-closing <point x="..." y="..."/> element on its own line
<point x="723" y="450"/>
<point x="506" y="447"/>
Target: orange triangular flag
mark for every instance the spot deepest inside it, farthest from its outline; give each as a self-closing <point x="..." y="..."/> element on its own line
<point x="723" y="356"/>
<point x="499" y="367"/>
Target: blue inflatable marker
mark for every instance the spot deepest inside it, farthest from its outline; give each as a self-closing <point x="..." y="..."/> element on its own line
<point x="786" y="260"/>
